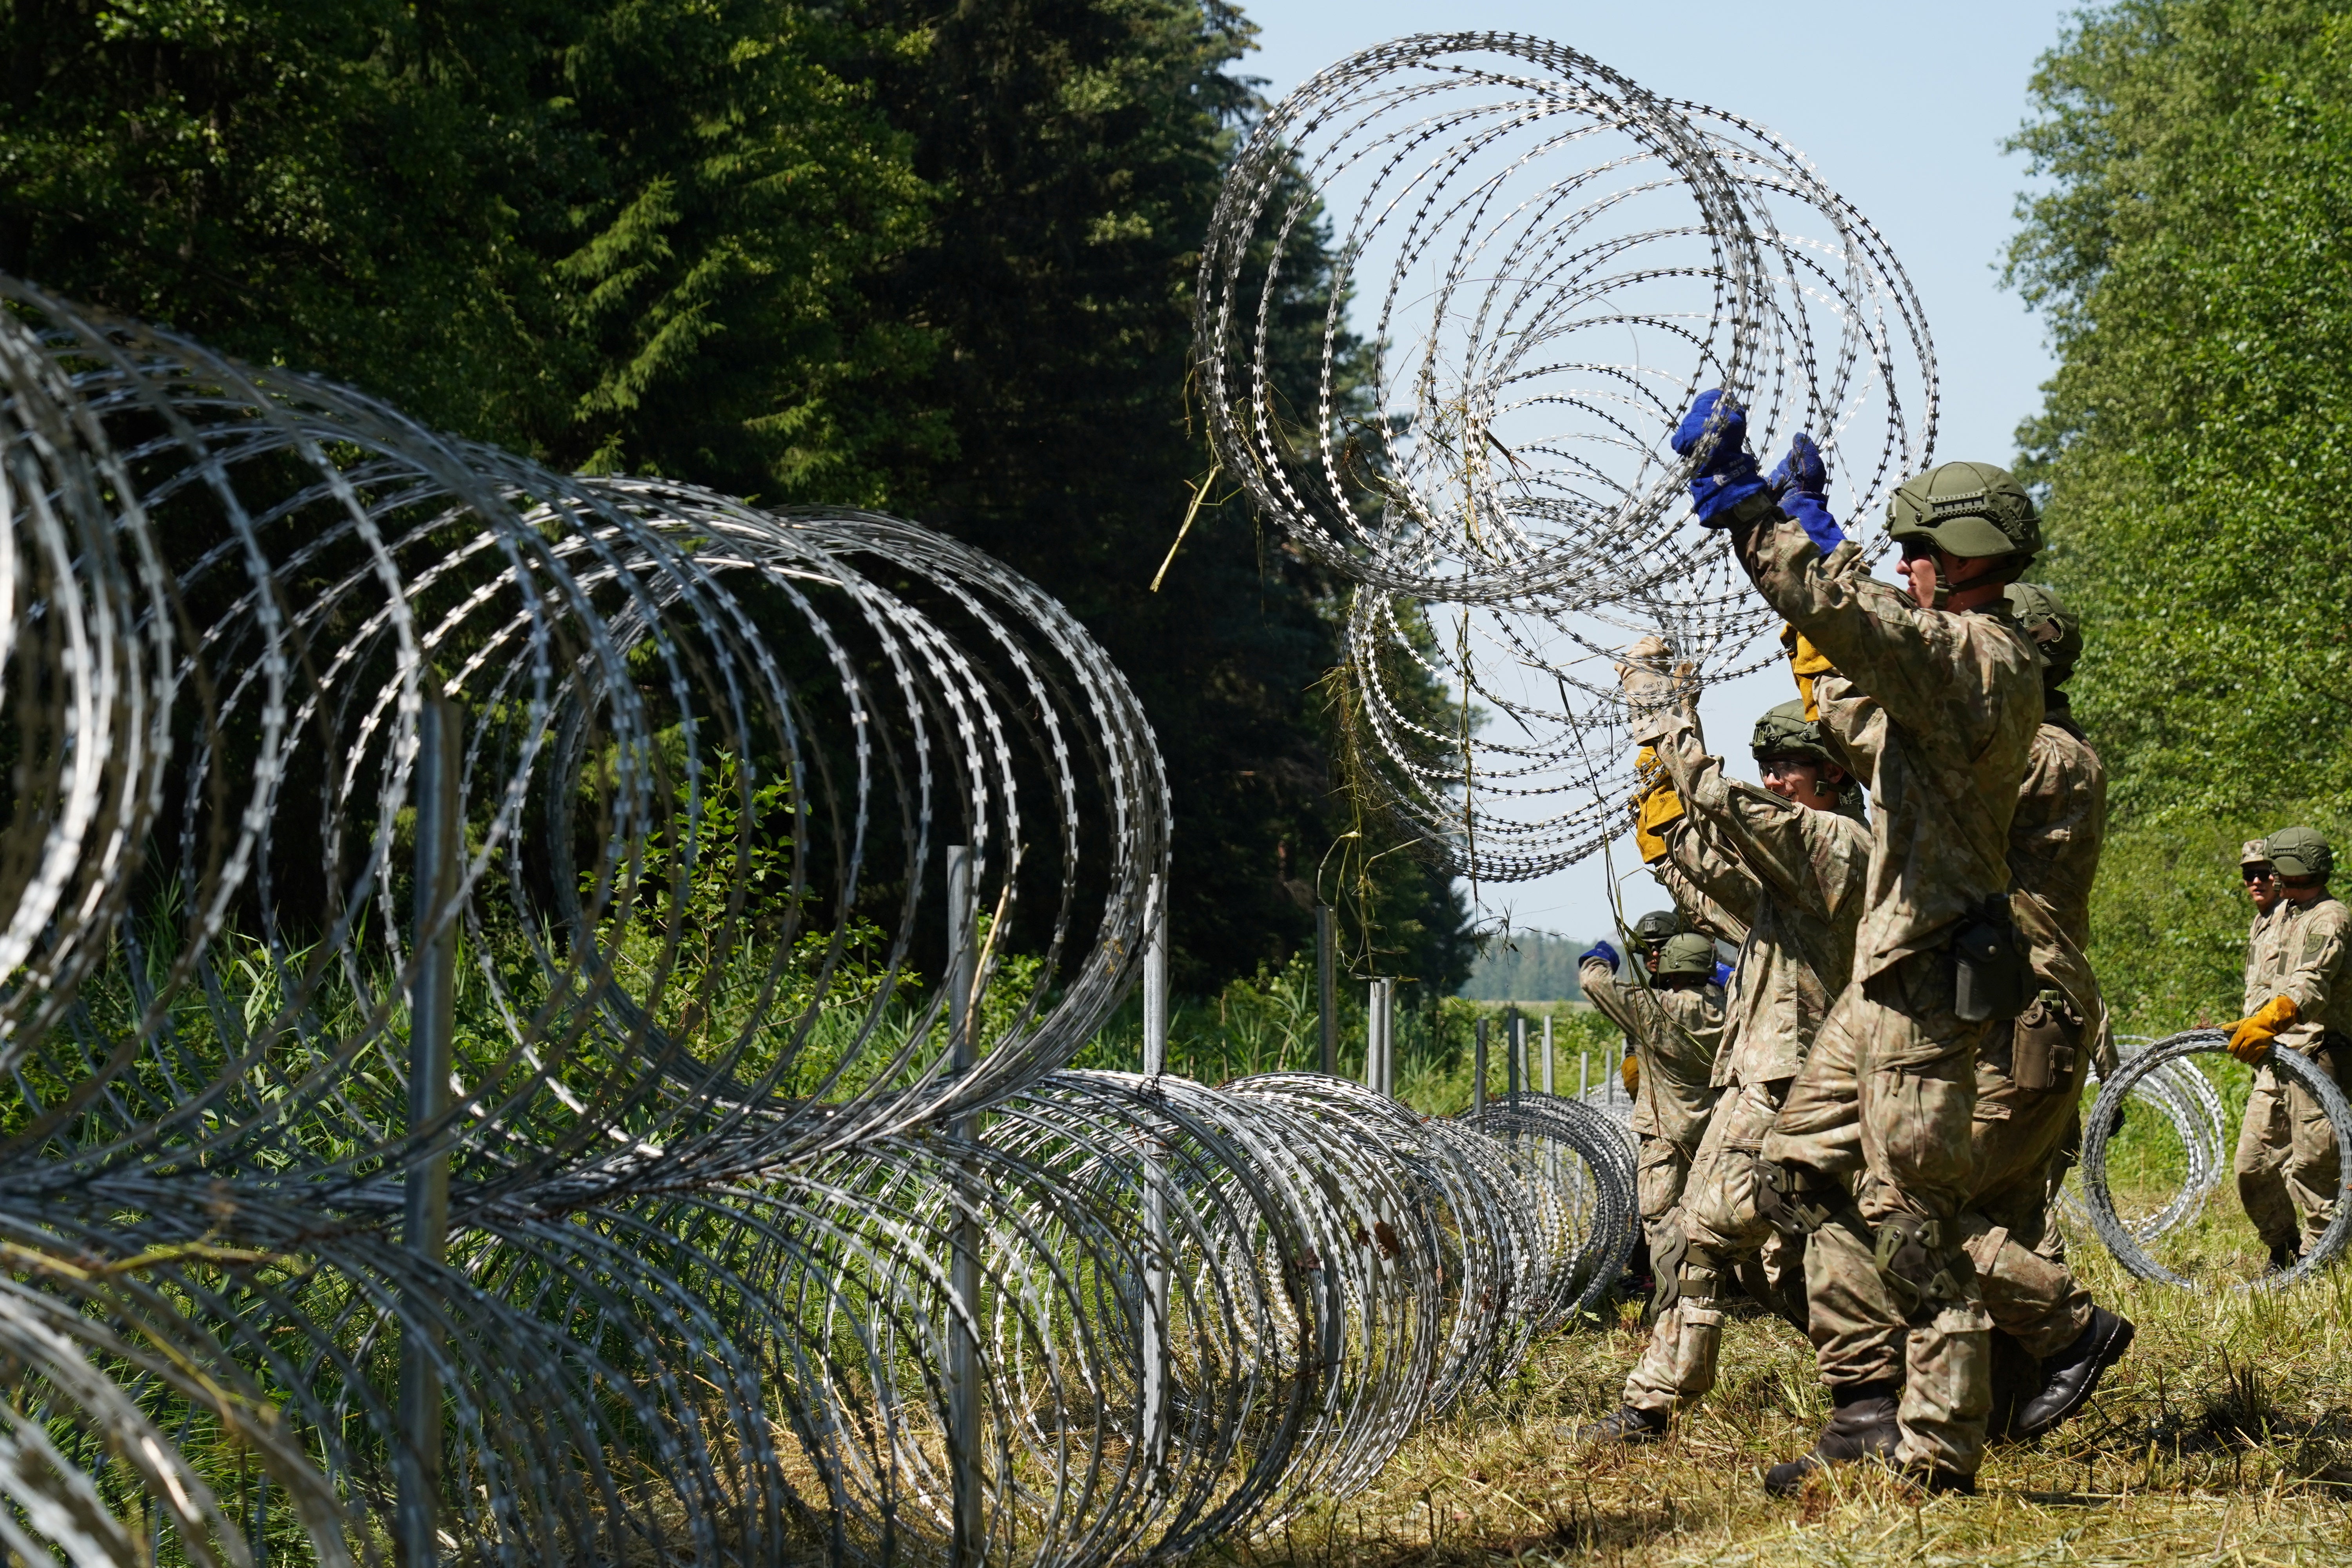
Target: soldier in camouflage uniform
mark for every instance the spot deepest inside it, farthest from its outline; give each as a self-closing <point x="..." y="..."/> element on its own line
<point x="2287" y="1159"/>
<point x="1675" y="1027"/>
<point x="1935" y="700"/>
<point x="1790" y="853"/>
<point x="2030" y="1082"/>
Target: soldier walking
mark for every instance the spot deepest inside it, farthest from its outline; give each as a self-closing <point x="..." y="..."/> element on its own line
<point x="2287" y="1161"/>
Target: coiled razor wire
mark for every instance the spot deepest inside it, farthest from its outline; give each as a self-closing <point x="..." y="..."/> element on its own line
<point x="2187" y="1100"/>
<point x="2291" y="1065"/>
<point x="1551" y="262"/>
<point x="740" y="1263"/>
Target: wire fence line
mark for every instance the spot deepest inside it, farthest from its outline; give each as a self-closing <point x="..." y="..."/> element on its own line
<point x="539" y="1009"/>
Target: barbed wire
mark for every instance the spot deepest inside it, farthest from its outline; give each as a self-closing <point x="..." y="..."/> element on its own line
<point x="747" y="1254"/>
<point x="1550" y="263"/>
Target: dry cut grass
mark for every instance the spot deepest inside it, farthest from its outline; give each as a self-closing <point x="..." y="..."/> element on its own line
<point x="2225" y="1436"/>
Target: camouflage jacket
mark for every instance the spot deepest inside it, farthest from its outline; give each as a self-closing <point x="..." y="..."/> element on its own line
<point x="1937" y="711"/>
<point x="2061" y="822"/>
<point x="1805" y="870"/>
<point x="2307" y="962"/>
<point x="2053" y="856"/>
<point x="1675" y="1034"/>
<point x="2262" y="952"/>
<point x="1713" y="894"/>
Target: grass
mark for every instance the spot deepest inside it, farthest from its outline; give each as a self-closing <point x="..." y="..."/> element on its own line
<point x="2224" y="1436"/>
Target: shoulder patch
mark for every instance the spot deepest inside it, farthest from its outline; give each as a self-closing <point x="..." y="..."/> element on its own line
<point x="2313" y="946"/>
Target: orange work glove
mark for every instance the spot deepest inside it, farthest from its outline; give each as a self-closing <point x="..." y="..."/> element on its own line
<point x="2250" y="1037"/>
<point x="1631" y="1071"/>
<point x="1805" y="662"/>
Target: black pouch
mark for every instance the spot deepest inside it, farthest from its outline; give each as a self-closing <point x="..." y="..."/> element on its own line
<point x="2042" y="1043"/>
<point x="1990" y="973"/>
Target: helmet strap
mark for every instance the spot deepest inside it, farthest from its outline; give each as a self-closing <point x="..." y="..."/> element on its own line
<point x="1943" y="584"/>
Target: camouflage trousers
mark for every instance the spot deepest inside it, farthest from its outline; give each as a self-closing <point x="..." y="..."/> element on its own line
<point x="1887" y="1099"/>
<point x="2022" y="1143"/>
<point x="1661" y="1168"/>
<point x="2287" y="1160"/>
<point x="1723" y="1228"/>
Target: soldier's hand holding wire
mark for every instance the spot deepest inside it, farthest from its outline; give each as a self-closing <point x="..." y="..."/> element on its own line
<point x="2251" y="1037"/>
<point x="1802" y="485"/>
<point x="1727" y="474"/>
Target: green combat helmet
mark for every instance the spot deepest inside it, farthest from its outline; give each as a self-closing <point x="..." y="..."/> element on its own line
<point x="2056" y="630"/>
<point x="2300" y="852"/>
<point x="1786" y="732"/>
<point x="1689" y="953"/>
<point x="1965" y="509"/>
<point x="1657" y="926"/>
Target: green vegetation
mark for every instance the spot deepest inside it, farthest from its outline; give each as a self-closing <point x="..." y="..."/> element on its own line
<point x="928" y="258"/>
<point x="2192" y="261"/>
<point x="1526" y="966"/>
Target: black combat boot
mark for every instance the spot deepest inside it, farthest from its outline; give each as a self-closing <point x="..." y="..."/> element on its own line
<point x="1629" y="1426"/>
<point x="2069" y="1377"/>
<point x="1861" y="1426"/>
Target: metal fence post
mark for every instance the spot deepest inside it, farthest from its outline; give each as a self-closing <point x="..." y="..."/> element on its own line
<point x="432" y="1021"/>
<point x="963" y="1268"/>
<point x="1155" y="1193"/>
<point x="1547" y="1053"/>
<point x="1327" y="988"/>
<point x="1514" y="1070"/>
<point x="1478" y="1072"/>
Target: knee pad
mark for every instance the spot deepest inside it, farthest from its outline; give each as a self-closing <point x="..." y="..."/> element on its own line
<point x="1666" y="1267"/>
<point x="1794" y="1200"/>
<point x="1923" y="1269"/>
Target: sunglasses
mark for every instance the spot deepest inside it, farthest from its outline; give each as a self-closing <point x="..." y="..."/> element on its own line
<point x="1916" y="550"/>
<point x="2299" y="883"/>
<point x="2257" y="873"/>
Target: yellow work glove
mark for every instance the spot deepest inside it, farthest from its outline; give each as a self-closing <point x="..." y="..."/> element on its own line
<point x="1631" y="1071"/>
<point x="1805" y="662"/>
<point x="2250" y="1037"/>
<point x="1655" y="809"/>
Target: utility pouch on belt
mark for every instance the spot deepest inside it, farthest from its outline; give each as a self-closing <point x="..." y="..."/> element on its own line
<point x="2042" y="1046"/>
<point x="1991" y="972"/>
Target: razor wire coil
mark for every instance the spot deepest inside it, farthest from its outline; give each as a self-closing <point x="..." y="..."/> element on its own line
<point x="2189" y="1104"/>
<point x="2290" y="1065"/>
<point x="716" y="1247"/>
<point x="1554" y="261"/>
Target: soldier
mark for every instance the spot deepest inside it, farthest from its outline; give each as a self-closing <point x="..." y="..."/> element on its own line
<point x="1673" y="1025"/>
<point x="1800" y="860"/>
<point x="2287" y="1159"/>
<point x="1935" y="700"/>
<point x="2030" y="1082"/>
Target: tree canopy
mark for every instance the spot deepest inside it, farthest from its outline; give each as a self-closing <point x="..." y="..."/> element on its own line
<point x="2192" y="259"/>
<point x="930" y="258"/>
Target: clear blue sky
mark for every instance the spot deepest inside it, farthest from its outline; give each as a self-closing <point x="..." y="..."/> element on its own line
<point x="1903" y="108"/>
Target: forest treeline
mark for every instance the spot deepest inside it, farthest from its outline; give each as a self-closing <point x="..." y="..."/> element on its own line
<point x="2192" y="251"/>
<point x="929" y="257"/>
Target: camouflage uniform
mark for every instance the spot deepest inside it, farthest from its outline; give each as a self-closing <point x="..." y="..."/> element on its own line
<point x="1674" y="1032"/>
<point x="1800" y="872"/>
<point x="1937" y="711"/>
<point x="2023" y="1136"/>
<point x="2287" y="1159"/>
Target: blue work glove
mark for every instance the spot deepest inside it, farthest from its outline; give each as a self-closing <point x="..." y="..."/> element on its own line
<point x="1729" y="475"/>
<point x="1802" y="485"/>
<point x="1722" y="972"/>
<point x="1599" y="950"/>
